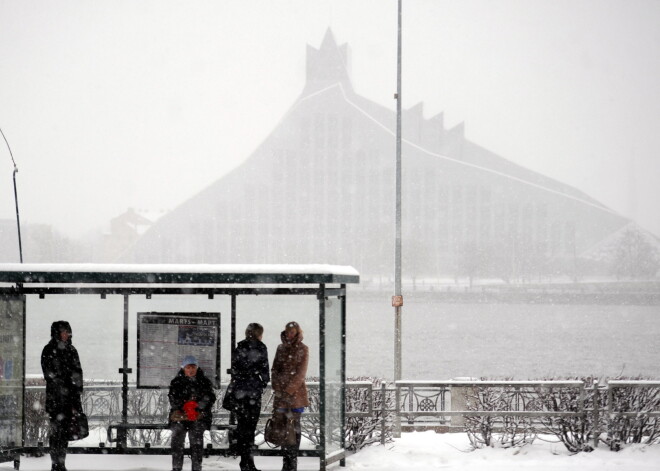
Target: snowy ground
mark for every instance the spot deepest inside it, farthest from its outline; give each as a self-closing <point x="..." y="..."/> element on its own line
<point x="420" y="451"/>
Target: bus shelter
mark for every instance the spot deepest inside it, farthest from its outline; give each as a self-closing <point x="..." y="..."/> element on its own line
<point x="22" y="286"/>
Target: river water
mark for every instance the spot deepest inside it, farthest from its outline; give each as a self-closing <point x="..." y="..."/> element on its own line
<point x="440" y="340"/>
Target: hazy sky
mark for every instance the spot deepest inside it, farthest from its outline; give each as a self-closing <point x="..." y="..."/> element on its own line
<point x="116" y="104"/>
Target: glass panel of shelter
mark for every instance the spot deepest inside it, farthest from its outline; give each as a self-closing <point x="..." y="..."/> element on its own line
<point x="333" y="393"/>
<point x="11" y="372"/>
<point x="97" y="324"/>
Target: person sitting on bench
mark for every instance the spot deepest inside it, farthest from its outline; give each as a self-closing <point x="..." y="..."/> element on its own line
<point x="191" y="400"/>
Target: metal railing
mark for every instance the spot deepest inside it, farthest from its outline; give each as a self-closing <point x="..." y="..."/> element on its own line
<point x="103" y="405"/>
<point x="446" y="404"/>
<point x="615" y="385"/>
<point x="439" y="405"/>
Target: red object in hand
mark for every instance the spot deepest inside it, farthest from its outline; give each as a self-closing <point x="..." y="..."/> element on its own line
<point x="190" y="408"/>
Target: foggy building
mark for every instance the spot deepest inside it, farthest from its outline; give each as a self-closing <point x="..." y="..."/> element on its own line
<point x="320" y="189"/>
<point x="121" y="233"/>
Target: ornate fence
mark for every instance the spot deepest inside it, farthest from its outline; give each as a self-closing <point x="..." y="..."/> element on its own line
<point x="580" y="413"/>
<point x="103" y="406"/>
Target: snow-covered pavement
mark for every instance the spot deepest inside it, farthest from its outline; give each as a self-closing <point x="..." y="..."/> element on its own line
<point x="421" y="451"/>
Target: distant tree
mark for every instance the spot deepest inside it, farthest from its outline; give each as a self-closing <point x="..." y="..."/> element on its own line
<point x="43" y="244"/>
<point x="418" y="257"/>
<point x="635" y="256"/>
<point x="472" y="261"/>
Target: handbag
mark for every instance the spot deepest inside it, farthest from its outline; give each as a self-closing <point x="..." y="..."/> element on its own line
<point x="78" y="426"/>
<point x="280" y="429"/>
<point x="229" y="401"/>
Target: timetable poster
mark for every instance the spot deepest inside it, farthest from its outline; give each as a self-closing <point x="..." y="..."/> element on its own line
<point x="12" y="349"/>
<point x="164" y="339"/>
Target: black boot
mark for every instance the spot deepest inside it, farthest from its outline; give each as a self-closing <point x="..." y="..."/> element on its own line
<point x="248" y="465"/>
<point x="290" y="460"/>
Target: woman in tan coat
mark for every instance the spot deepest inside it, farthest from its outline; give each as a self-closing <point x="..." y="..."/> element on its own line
<point x="288" y="380"/>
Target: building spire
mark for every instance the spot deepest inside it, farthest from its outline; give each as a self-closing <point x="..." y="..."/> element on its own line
<point x="328" y="65"/>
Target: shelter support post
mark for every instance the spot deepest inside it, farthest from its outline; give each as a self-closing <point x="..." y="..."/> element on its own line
<point x="322" y="385"/>
<point x="125" y="371"/>
<point x="232" y="414"/>
<point x="342" y="408"/>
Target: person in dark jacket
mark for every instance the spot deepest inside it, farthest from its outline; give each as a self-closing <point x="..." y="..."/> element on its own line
<point x="289" y="388"/>
<point x="60" y="364"/>
<point x="250" y="375"/>
<point x="191" y="401"/>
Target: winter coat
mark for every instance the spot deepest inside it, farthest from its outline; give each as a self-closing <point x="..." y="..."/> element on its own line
<point x="60" y="364"/>
<point x="288" y="373"/>
<point x="197" y="388"/>
<point x="250" y="369"/>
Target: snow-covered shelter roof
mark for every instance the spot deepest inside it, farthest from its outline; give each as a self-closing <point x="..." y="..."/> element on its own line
<point x="176" y="273"/>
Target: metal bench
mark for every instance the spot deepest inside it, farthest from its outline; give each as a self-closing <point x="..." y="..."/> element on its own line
<point x="120" y="427"/>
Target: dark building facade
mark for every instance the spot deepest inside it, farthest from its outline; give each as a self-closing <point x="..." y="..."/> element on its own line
<point x="320" y="189"/>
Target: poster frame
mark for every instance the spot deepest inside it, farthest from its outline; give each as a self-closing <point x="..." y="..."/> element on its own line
<point x="214" y="377"/>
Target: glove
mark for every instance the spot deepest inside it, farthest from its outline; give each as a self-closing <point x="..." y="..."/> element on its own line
<point x="190" y="408"/>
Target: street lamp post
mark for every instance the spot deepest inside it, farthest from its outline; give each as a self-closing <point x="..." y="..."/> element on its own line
<point x="397" y="299"/>
<point x="18" y="220"/>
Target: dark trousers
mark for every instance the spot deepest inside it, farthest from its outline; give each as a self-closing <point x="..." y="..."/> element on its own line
<point x="290" y="453"/>
<point x="195" y="431"/>
<point x="58" y="441"/>
<point x="247" y="416"/>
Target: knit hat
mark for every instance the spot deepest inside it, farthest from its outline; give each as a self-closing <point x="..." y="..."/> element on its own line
<point x="189" y="360"/>
<point x="59" y="326"/>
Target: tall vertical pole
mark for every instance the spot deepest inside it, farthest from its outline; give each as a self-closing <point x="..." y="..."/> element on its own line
<point x="397" y="299"/>
<point x="18" y="219"/>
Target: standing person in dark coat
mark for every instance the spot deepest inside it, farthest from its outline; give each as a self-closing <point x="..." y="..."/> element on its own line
<point x="60" y="364"/>
<point x="191" y="401"/>
<point x="250" y="375"/>
<point x="289" y="388"/>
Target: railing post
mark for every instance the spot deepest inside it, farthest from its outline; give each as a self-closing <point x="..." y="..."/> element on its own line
<point x="370" y="398"/>
<point x="596" y="414"/>
<point x="459" y="399"/>
<point x="411" y="405"/>
<point x="397" y="411"/>
<point x="611" y="437"/>
<point x="383" y="412"/>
